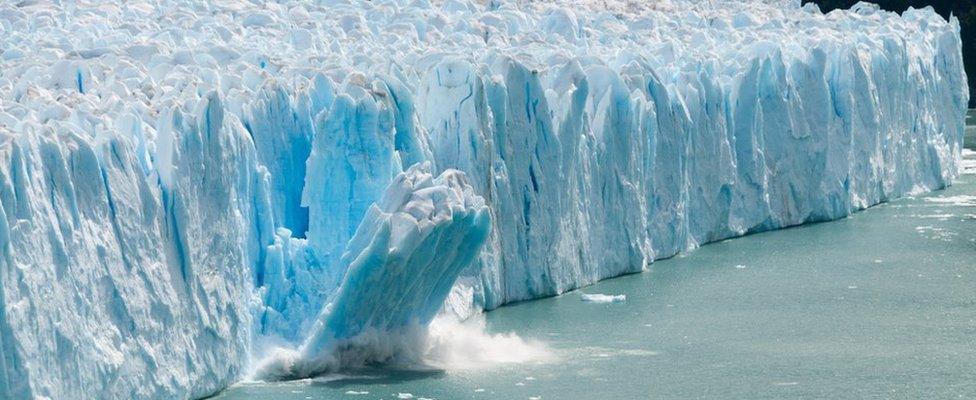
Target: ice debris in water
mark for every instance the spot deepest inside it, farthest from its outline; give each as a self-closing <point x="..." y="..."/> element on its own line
<point x="603" y="298"/>
<point x="186" y="190"/>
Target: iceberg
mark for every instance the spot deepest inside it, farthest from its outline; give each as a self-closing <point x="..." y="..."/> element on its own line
<point x="195" y="193"/>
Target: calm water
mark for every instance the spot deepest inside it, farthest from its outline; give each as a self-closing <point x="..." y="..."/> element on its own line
<point x="880" y="305"/>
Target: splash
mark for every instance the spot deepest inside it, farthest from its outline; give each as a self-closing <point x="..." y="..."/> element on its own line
<point x="447" y="344"/>
<point x="465" y="345"/>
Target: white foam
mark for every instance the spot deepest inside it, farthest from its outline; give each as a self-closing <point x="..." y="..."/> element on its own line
<point x="454" y="345"/>
<point x="446" y="344"/>
<point x="958" y="200"/>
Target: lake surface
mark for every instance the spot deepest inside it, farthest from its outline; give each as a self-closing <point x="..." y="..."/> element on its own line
<point x="879" y="305"/>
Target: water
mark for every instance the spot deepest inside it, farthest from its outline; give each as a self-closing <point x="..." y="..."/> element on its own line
<point x="880" y="305"/>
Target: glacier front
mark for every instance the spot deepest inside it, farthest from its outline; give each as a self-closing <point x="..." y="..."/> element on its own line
<point x="192" y="193"/>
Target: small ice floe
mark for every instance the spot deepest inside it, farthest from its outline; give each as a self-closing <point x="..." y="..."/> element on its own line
<point x="404" y="396"/>
<point x="535" y="398"/>
<point x="878" y="261"/>
<point x="603" y="298"/>
<point x="852" y="287"/>
<point x="355" y="393"/>
<point x="740" y="266"/>
<point x="479" y="390"/>
<point x="519" y="383"/>
<point x="530" y="378"/>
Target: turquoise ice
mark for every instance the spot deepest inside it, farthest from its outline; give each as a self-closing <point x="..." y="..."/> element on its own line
<point x="191" y="191"/>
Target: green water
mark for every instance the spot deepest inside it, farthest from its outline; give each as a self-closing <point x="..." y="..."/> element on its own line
<point x="880" y="305"/>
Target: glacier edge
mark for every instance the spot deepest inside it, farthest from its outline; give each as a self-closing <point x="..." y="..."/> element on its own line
<point x="168" y="204"/>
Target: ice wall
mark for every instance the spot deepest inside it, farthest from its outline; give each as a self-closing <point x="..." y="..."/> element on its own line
<point x="115" y="285"/>
<point x="183" y="183"/>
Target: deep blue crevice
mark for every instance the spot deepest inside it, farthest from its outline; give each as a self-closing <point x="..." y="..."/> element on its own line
<point x="535" y="183"/>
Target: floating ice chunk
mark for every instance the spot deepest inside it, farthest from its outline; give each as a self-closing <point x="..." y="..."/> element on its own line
<point x="603" y="298"/>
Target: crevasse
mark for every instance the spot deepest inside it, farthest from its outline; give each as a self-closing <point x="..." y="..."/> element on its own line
<point x="184" y="185"/>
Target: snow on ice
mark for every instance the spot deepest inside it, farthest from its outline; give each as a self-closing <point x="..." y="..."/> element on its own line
<point x="191" y="190"/>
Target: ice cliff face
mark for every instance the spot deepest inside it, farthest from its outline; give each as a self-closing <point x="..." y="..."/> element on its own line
<point x="115" y="285"/>
<point x="183" y="185"/>
<point x="399" y="267"/>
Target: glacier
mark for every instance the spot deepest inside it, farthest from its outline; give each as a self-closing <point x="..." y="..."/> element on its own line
<point x="194" y="193"/>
